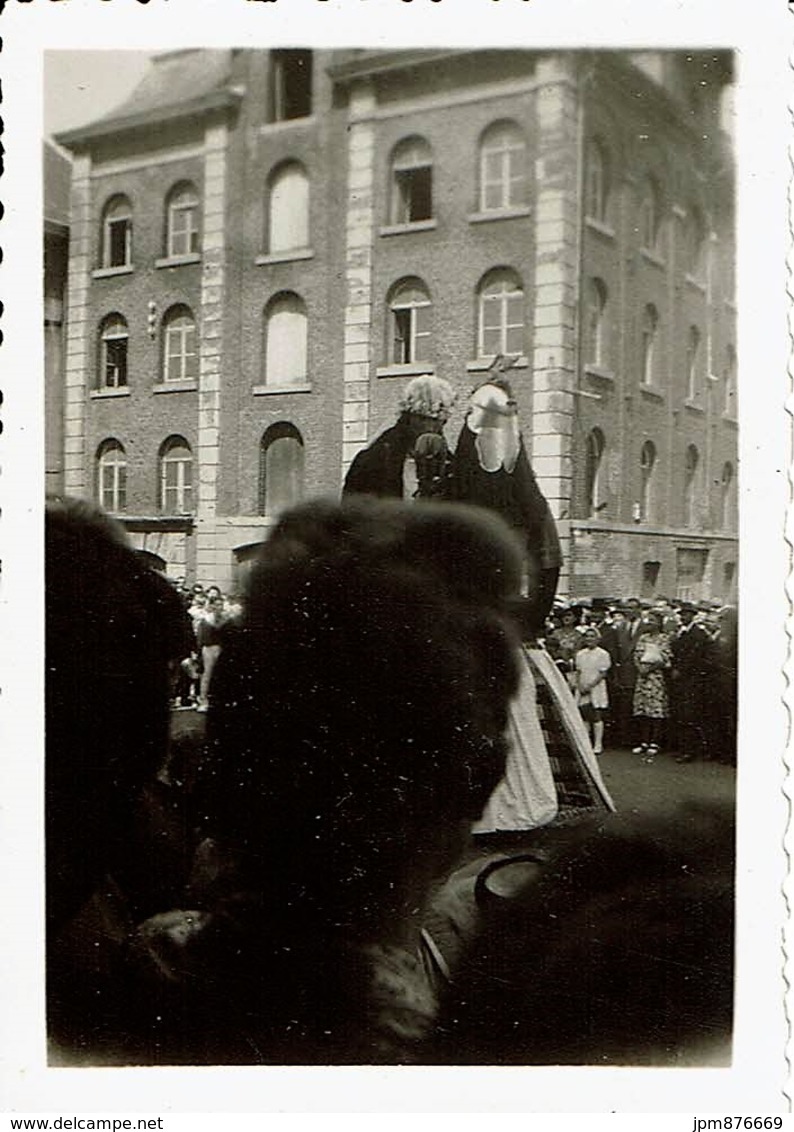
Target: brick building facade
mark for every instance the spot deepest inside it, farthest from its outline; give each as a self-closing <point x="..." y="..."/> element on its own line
<point x="266" y="245"/>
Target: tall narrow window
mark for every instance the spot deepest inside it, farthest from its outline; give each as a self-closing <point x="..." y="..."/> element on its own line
<point x="112" y="476"/>
<point x="729" y="383"/>
<point x="288" y="209"/>
<point x="647" y="465"/>
<point x="180" y="345"/>
<point x="176" y="477"/>
<point x="286" y="340"/>
<point x="649" y="220"/>
<point x="411" y="182"/>
<point x="650" y="577"/>
<point x="281" y="469"/>
<point x="649" y="329"/>
<point x="691" y="462"/>
<point x="117" y="233"/>
<point x="692" y="363"/>
<point x="113" y="353"/>
<point x="290" y="84"/>
<point x="410" y="310"/>
<point x="694" y="251"/>
<point x="726" y="516"/>
<point x="596" y="181"/>
<point x="595" y="322"/>
<point x="503" y="168"/>
<point x="501" y="314"/>
<point x="182" y="221"/>
<point x="594" y="458"/>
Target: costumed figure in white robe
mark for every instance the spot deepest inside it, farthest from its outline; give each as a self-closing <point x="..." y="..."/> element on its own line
<point x="551" y="772"/>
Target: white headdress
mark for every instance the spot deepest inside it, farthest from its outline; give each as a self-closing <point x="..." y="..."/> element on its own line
<point x="493" y="418"/>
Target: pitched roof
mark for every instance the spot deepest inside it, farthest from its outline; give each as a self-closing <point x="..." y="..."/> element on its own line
<point x="177" y="83"/>
<point x="57" y="186"/>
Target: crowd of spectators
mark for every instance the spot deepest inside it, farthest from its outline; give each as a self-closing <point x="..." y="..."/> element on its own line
<point x="284" y="912"/>
<point x="655" y="675"/>
<point x="209" y="610"/>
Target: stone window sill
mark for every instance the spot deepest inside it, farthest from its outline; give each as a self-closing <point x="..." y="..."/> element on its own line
<point x="602" y="373"/>
<point x="284" y="257"/>
<point x="600" y="227"/>
<point x="182" y="386"/>
<point x="405" y="369"/>
<point x="498" y="214"/>
<point x="730" y="419"/>
<point x="478" y="365"/>
<point x="100" y="394"/>
<point x="267" y="390"/>
<point x="178" y="260"/>
<point x="415" y="226"/>
<point x="111" y="272"/>
<point x="693" y="406"/>
<point x="653" y="393"/>
<point x="695" y="284"/>
<point x="652" y="258"/>
<point x="287" y="124"/>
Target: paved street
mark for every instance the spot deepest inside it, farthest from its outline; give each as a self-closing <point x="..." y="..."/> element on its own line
<point x="642" y="786"/>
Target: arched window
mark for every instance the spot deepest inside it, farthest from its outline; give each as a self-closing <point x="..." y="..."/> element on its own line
<point x="501" y="314"/>
<point x="180" y="345"/>
<point x="650" y="212"/>
<point x="596" y="193"/>
<point x="281" y="463"/>
<point x="647" y="465"/>
<point x="176" y="477"/>
<point x="117" y="233"/>
<point x="595" y="322"/>
<point x="286" y="339"/>
<point x="691" y="462"/>
<point x="113" y="342"/>
<point x="692" y="363"/>
<point x="112" y="476"/>
<point x="410" y="312"/>
<point x="411" y="176"/>
<point x="695" y="243"/>
<point x="726" y="497"/>
<point x="287" y="209"/>
<point x="729" y="383"/>
<point x="503" y="167"/>
<point x="649" y="329"/>
<point x="182" y="221"/>
<point x="594" y="458"/>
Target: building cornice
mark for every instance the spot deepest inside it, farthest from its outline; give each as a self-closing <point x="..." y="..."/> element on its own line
<point x="83" y="136"/>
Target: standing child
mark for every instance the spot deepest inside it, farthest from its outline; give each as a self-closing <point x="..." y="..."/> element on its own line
<point x="592" y="664"/>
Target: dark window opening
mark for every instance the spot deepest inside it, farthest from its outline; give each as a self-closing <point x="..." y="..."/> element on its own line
<point x="414" y="194"/>
<point x="291" y="84"/>
<point x="650" y="576"/>
<point x="402" y="336"/>
<point x="728" y="575"/>
<point x="118" y="242"/>
<point x="116" y="363"/>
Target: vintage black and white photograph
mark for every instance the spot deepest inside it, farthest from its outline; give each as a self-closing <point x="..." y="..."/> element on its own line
<point x="393" y="582"/>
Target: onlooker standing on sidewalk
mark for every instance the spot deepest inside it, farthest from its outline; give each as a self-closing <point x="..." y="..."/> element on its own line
<point x="652" y="657"/>
<point x="209" y="635"/>
<point x="592" y="664"/>
<point x="692" y="685"/>
<point x="624" y="672"/>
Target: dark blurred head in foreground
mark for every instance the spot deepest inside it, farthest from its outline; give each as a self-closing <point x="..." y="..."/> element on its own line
<point x="359" y="710"/>
<point x="112" y="626"/>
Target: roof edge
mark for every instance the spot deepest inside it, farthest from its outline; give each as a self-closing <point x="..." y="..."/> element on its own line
<point x="106" y="127"/>
<point x="379" y="62"/>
